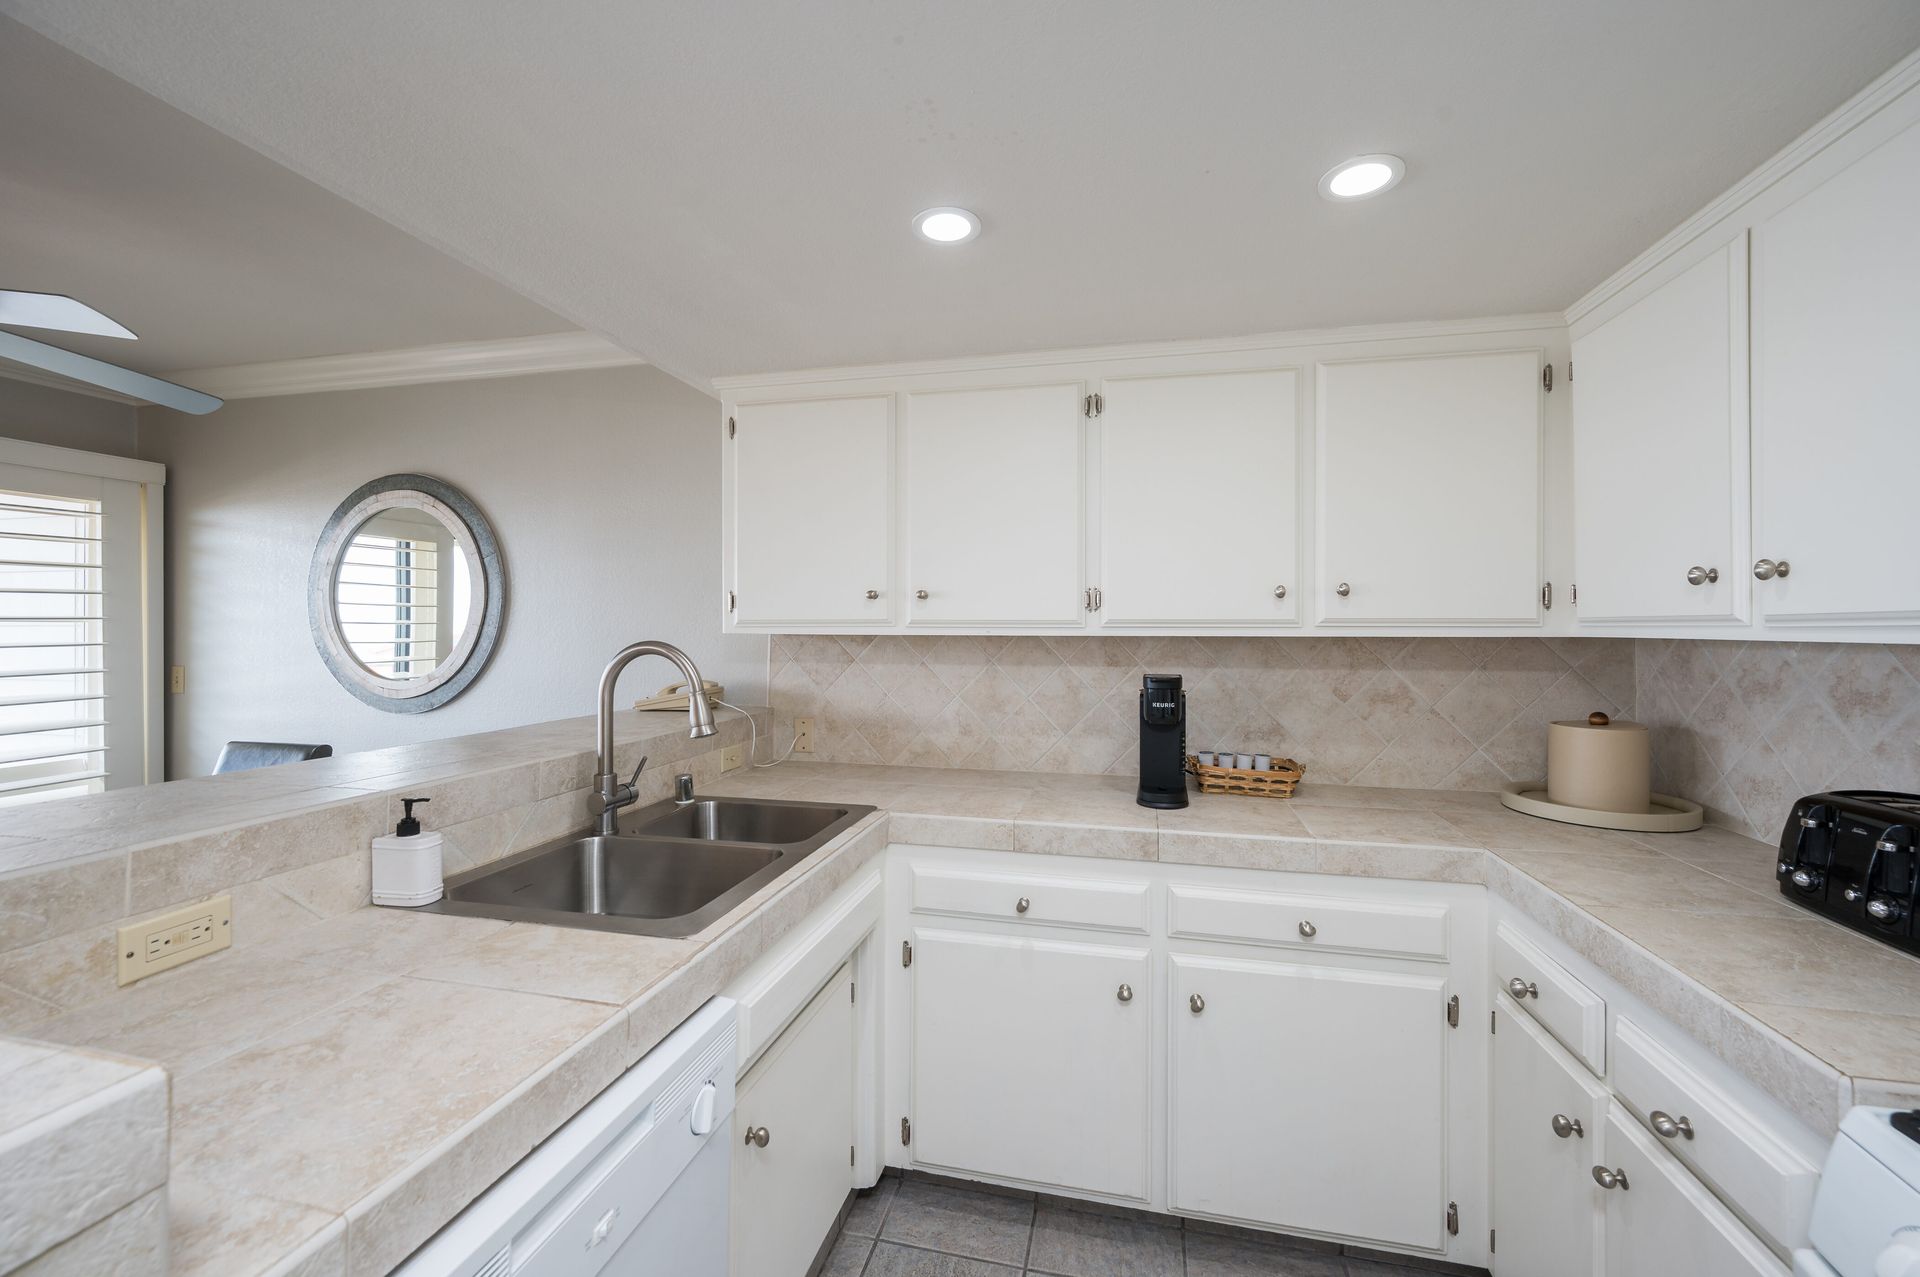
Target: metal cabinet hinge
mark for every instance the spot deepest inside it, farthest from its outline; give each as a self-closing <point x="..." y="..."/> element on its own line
<point x="853" y="992"/>
<point x="1093" y="598"/>
<point x="1453" y="1011"/>
<point x="733" y="427"/>
<point x="1493" y="1022"/>
<point x="1094" y="405"/>
<point x="849" y="1155"/>
<point x="1546" y="597"/>
<point x="1546" y="378"/>
<point x="1453" y="1219"/>
<point x="1491" y="1246"/>
<point x="906" y="1130"/>
<point x="730" y="600"/>
<point x="906" y="953"/>
<point x="1573" y="595"/>
<point x="1569" y="372"/>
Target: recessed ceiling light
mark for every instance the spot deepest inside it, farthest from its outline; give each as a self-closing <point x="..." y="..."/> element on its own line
<point x="1362" y="176"/>
<point x="946" y="225"/>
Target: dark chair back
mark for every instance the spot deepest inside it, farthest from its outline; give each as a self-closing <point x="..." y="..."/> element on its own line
<point x="242" y="755"/>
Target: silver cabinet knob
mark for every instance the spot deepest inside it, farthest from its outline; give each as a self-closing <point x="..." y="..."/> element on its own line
<point x="758" y="1136"/>
<point x="921" y="595"/>
<point x="872" y="594"/>
<point x="1279" y="591"/>
<point x="1567" y="1127"/>
<point x="1523" y="988"/>
<point x="1610" y="1178"/>
<point x="1308" y="931"/>
<point x="1343" y="589"/>
<point x="1767" y="569"/>
<point x="1668" y="1128"/>
<point x="1196" y="1004"/>
<point x="1023" y="905"/>
<point x="1125" y="993"/>
<point x="1702" y="576"/>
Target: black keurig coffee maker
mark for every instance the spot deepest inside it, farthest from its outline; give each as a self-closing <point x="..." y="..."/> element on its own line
<point x="1163" y="742"/>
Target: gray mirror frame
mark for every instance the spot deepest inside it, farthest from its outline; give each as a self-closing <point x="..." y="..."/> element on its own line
<point x="475" y="648"/>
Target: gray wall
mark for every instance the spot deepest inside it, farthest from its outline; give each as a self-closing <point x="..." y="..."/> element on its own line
<point x="602" y="486"/>
<point x="40" y="414"/>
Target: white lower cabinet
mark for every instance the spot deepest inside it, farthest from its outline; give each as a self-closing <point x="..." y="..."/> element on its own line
<point x="1310" y="1097"/>
<point x="1660" y="1221"/>
<point x="793" y="1123"/>
<point x="1031" y="1060"/>
<point x="1548" y="1114"/>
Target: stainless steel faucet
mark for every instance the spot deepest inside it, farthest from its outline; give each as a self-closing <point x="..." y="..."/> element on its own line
<point x="610" y="794"/>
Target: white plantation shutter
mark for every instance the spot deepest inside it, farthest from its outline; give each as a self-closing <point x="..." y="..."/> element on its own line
<point x="78" y="696"/>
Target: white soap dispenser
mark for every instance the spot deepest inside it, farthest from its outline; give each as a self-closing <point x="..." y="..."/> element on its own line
<point x="406" y="863"/>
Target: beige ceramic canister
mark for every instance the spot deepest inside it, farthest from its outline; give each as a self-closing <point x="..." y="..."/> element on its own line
<point x="1600" y="765"/>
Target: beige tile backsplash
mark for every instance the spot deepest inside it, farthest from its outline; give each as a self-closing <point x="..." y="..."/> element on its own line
<point x="1745" y="728"/>
<point x="1426" y="712"/>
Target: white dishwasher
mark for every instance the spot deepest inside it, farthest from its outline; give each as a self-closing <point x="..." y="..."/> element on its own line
<point x="633" y="1185"/>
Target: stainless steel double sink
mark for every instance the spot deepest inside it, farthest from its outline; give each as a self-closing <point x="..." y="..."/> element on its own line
<point x="671" y="870"/>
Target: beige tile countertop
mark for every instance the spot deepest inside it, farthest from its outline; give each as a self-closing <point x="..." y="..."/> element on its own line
<point x="339" y="1096"/>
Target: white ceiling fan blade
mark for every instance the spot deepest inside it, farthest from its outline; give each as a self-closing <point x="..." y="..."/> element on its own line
<point x="59" y="312"/>
<point x="97" y="372"/>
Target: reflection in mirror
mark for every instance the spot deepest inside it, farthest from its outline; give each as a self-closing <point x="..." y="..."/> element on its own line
<point x="403" y="594"/>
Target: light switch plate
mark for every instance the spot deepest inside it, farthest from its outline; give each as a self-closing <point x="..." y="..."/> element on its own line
<point x="166" y="940"/>
<point x="733" y="756"/>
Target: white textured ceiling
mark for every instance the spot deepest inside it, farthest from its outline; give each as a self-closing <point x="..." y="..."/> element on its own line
<point x="212" y="253"/>
<point x="725" y="187"/>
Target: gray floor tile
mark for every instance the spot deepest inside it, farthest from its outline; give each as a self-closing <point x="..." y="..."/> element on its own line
<point x="848" y="1256"/>
<point x="870" y="1208"/>
<point x="890" y="1260"/>
<point x="976" y="1225"/>
<point x="1071" y="1244"/>
<point x="1216" y="1255"/>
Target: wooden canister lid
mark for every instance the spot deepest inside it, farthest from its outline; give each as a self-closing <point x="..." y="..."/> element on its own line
<point x="1600" y="721"/>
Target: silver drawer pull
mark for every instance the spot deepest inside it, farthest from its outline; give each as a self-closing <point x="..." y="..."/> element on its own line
<point x="1702" y="576"/>
<point x="1343" y="589"/>
<point x="1523" y="988"/>
<point x="1566" y="1127"/>
<point x="1308" y="931"/>
<point x="1126" y="993"/>
<point x="1196" y="1004"/>
<point x="1767" y="569"/>
<point x="872" y="595"/>
<point x="921" y="595"/>
<point x="1610" y="1178"/>
<point x="1670" y="1127"/>
<point x="1023" y="905"/>
<point x="758" y="1136"/>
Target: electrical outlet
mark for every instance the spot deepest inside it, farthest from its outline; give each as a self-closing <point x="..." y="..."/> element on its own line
<point x="177" y="679"/>
<point x="166" y="940"/>
<point x="803" y="735"/>
<point x="733" y="756"/>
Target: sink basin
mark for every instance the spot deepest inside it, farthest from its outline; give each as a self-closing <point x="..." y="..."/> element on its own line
<point x="670" y="871"/>
<point x="739" y="820"/>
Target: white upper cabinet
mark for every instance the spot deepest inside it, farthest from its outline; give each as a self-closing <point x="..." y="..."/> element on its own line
<point x="995" y="483"/>
<point x="1428" y="494"/>
<point x="1660" y="451"/>
<point x="1836" y="324"/>
<point x="1199" y="506"/>
<point x="812" y="513"/>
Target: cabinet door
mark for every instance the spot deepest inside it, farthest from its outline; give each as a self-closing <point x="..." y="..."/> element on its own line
<point x="995" y="483"/>
<point x="1310" y="1098"/>
<point x="1836" y="321"/>
<point x="1030" y="1060"/>
<point x="1198" y="499"/>
<point x="1664" y="1222"/>
<point x="813" y="512"/>
<point x="1545" y="1216"/>
<point x="1660" y="451"/>
<point x="787" y="1194"/>
<point x="1429" y="489"/>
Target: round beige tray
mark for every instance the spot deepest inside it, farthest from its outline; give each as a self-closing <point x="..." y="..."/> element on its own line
<point x="1668" y="815"/>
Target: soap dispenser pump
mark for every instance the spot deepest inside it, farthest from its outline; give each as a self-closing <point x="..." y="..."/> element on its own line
<point x="406" y="863"/>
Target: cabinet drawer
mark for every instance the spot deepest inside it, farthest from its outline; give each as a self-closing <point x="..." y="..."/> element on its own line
<point x="1549" y="993"/>
<point x="1107" y="905"/>
<point x="1759" y="1175"/>
<point x="1308" y="922"/>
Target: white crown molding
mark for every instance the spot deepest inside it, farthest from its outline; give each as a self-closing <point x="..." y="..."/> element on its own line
<point x="1148" y="350"/>
<point x="1856" y="111"/>
<point x="455" y="361"/>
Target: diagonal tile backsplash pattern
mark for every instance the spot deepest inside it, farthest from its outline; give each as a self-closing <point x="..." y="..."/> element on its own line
<point x="1746" y="728"/>
<point x="1465" y="713"/>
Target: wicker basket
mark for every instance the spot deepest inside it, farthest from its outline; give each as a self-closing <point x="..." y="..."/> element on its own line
<point x="1275" y="782"/>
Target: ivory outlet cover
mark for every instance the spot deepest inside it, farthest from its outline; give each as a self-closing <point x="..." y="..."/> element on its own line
<point x="733" y="756"/>
<point x="166" y="940"/>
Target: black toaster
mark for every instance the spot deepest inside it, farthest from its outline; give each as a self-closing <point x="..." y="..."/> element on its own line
<point x="1853" y="855"/>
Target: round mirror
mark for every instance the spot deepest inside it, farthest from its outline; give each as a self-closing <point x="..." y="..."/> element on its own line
<point x="407" y="593"/>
